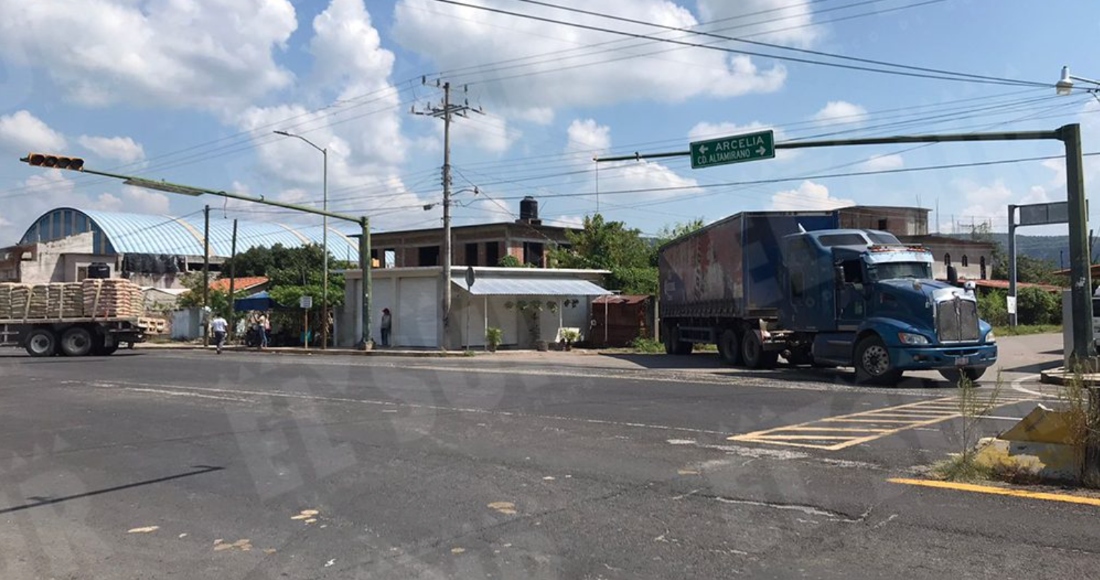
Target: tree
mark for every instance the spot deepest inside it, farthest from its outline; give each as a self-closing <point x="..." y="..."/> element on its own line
<point x="604" y="245"/>
<point x="677" y="230"/>
<point x="218" y="300"/>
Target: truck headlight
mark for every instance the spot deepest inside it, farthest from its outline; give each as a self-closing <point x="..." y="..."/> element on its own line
<point x="911" y="338"/>
<point x="990" y="338"/>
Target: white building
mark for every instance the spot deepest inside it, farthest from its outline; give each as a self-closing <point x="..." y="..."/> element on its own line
<point x="528" y="304"/>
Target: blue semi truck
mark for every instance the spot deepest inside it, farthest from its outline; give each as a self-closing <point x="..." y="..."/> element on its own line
<point x="761" y="285"/>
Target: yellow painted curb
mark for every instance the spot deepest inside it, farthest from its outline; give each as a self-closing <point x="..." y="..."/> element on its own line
<point x="998" y="491"/>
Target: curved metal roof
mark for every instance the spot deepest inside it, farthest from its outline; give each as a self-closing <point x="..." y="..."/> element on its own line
<point x="131" y="233"/>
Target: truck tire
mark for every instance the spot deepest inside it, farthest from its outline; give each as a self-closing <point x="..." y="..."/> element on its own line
<point x="77" y="341"/>
<point x="729" y="347"/>
<point x="872" y="362"/>
<point x="41" y="342"/>
<point x="675" y="346"/>
<point x="953" y="375"/>
<point x="753" y="353"/>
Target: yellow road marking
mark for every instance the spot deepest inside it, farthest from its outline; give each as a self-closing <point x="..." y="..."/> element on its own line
<point x="998" y="491"/>
<point x="888" y="421"/>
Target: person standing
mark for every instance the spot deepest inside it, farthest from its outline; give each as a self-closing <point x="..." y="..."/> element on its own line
<point x="219" y="327"/>
<point x="263" y="324"/>
<point x="387" y="324"/>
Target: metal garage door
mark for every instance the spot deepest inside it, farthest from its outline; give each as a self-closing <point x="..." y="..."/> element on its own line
<point x="416" y="318"/>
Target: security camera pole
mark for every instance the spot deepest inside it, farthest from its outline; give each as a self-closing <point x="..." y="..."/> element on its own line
<point x="77" y="164"/>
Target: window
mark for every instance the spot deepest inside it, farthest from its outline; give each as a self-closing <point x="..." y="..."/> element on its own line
<point x="882" y="224"/>
<point x="842" y="240"/>
<point x="853" y="272"/>
<point x="492" y="253"/>
<point x="965" y="261"/>
<point x="81" y="273"/>
<point x="947" y="260"/>
<point x="428" y="256"/>
<point x="982" y="262"/>
<point x="883" y="238"/>
<point x="471" y="255"/>
<point x="532" y="253"/>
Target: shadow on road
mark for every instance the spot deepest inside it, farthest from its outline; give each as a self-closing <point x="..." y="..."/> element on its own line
<point x="41" y="501"/>
<point x="711" y="362"/>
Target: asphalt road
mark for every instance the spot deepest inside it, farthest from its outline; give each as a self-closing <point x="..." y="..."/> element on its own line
<point x="184" y="464"/>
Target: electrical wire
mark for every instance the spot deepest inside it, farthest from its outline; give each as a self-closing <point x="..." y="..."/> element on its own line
<point x="956" y="76"/>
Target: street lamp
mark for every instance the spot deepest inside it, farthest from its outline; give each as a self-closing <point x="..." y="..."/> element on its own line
<point x="1064" y="86"/>
<point x="324" y="238"/>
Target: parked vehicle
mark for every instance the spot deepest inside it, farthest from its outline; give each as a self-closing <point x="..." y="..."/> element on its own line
<point x="764" y="284"/>
<point x="71" y="337"/>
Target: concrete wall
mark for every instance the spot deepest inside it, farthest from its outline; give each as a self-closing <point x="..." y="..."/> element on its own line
<point x="49" y="264"/>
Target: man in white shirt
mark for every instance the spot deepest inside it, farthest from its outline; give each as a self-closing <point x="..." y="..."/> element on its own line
<point x="219" y="326"/>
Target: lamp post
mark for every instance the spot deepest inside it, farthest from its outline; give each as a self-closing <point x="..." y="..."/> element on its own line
<point x="1064" y="86"/>
<point x="324" y="237"/>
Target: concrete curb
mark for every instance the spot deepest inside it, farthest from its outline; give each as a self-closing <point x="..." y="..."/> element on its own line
<point x="1060" y="376"/>
<point x="310" y="352"/>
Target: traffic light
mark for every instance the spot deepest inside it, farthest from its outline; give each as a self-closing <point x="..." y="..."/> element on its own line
<point x="55" y="161"/>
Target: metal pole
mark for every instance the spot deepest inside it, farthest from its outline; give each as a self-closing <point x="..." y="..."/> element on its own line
<point x="365" y="283"/>
<point x="206" y="276"/>
<point x="1012" y="262"/>
<point x="469" y="304"/>
<point x="232" y="279"/>
<point x="446" y="254"/>
<point x="324" y="244"/>
<point x="1081" y="285"/>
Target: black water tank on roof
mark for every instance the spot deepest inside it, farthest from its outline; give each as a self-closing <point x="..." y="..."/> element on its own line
<point x="99" y="270"/>
<point x="528" y="209"/>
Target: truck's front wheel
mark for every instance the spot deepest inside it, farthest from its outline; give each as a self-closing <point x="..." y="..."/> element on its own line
<point x="673" y="344"/>
<point x="41" y="342"/>
<point x="872" y="362"/>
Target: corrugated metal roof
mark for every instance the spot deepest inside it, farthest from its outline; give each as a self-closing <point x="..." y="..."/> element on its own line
<point x="130" y="233"/>
<point x="540" y="286"/>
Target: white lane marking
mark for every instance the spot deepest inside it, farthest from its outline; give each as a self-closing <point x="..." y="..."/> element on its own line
<point x="1017" y="386"/>
<point x="997" y="418"/>
<point x="168" y="389"/>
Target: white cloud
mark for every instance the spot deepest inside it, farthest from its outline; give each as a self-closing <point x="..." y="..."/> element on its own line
<point x="122" y="149"/>
<point x="563" y="66"/>
<point x="841" y="113"/>
<point x="989" y="202"/>
<point x="588" y="137"/>
<point x="808" y="196"/>
<point x="50" y="189"/>
<point x="22" y="132"/>
<point x="776" y="21"/>
<point x="489" y="133"/>
<point x="883" y="163"/>
<point x="207" y="54"/>
<point x="646" y="180"/>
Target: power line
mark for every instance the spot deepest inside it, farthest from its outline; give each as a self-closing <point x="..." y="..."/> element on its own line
<point x="956" y="77"/>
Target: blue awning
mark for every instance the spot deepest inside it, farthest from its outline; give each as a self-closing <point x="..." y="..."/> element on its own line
<point x="261" y="302"/>
<point x="534" y="286"/>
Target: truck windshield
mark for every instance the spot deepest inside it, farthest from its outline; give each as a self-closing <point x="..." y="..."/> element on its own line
<point x="895" y="270"/>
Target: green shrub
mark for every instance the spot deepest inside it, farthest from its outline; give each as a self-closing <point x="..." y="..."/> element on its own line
<point x="1036" y="306"/>
<point x="647" y="345"/>
<point x="992" y="307"/>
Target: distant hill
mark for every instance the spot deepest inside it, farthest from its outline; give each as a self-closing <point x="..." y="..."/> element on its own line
<point x="1052" y="248"/>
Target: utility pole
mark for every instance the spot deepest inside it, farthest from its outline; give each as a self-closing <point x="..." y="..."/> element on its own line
<point x="232" y="280"/>
<point x="446" y="112"/>
<point x="205" y="277"/>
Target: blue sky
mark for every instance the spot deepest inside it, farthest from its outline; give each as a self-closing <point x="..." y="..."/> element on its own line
<point x="191" y="90"/>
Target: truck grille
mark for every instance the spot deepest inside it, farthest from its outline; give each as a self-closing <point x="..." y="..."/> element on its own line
<point x="957" y="321"/>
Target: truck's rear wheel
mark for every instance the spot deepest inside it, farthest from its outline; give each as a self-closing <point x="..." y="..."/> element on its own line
<point x="77" y="341"/>
<point x="753" y="353"/>
<point x="41" y="342"/>
<point x="729" y="348"/>
<point x="953" y="375"/>
<point x="872" y="362"/>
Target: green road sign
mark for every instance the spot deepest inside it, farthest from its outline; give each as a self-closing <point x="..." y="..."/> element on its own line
<point x="735" y="149"/>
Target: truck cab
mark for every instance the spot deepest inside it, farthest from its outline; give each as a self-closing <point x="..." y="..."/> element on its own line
<point x="862" y="298"/>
